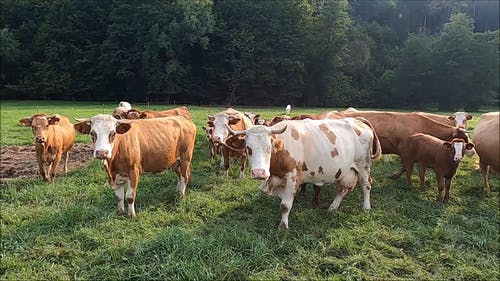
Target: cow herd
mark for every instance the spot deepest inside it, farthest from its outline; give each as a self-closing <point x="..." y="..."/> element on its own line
<point x="285" y="153"/>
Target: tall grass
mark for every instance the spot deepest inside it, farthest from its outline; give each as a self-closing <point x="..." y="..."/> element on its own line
<point x="226" y="229"/>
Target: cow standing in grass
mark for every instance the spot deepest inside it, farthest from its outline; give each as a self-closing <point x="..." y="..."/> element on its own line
<point x="131" y="147"/>
<point x="54" y="138"/>
<point x="486" y="138"/>
<point x="148" y="114"/>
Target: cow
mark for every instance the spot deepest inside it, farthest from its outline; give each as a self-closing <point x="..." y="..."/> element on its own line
<point x="312" y="151"/>
<point x="54" y="138"/>
<point x="270" y="122"/>
<point x="430" y="152"/>
<point x="148" y="114"/>
<point x="237" y="121"/>
<point x="130" y="147"/>
<point x="457" y="119"/>
<point x="393" y="128"/>
<point x="211" y="145"/>
<point x="288" y="108"/>
<point x="486" y="139"/>
<point x="120" y="112"/>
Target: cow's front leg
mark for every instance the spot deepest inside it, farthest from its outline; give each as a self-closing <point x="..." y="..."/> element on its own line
<point x="243" y="163"/>
<point x="66" y="158"/>
<point x="121" y="184"/>
<point x="132" y="191"/>
<point x="287" y="196"/>
<point x="364" y="180"/>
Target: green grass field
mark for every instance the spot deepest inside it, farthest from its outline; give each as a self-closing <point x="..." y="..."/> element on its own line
<point x="226" y="229"/>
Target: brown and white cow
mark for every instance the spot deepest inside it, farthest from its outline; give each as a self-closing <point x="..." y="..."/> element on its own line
<point x="120" y="112"/>
<point x="486" y="138"/>
<point x="148" y="114"/>
<point x="430" y="152"/>
<point x="237" y="121"/>
<point x="131" y="147"/>
<point x="211" y="145"/>
<point x="457" y="119"/>
<point x="393" y="129"/>
<point x="312" y="151"/>
<point x="54" y="138"/>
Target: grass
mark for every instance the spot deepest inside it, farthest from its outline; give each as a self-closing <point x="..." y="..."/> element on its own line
<point x="226" y="229"/>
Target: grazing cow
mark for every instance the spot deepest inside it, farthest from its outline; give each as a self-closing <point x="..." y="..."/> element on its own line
<point x="148" y="114"/>
<point x="131" y="147"/>
<point x="54" y="137"/>
<point x="312" y="151"/>
<point x="288" y="108"/>
<point x="458" y="119"/>
<point x="237" y="121"/>
<point x="430" y="152"/>
<point x="121" y="111"/>
<point x="393" y="128"/>
<point x="486" y="140"/>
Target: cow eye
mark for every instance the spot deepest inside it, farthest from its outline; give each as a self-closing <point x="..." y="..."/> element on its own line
<point x="249" y="150"/>
<point x="112" y="136"/>
<point x="94" y="136"/>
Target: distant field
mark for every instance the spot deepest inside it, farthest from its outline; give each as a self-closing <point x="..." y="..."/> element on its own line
<point x="226" y="229"/>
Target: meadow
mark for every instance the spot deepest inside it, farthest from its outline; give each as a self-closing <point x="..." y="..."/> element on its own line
<point x="227" y="229"/>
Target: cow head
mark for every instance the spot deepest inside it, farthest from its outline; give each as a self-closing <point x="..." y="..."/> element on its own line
<point x="136" y="114"/>
<point x="460" y="118"/>
<point x="103" y="129"/>
<point x="120" y="112"/>
<point x="458" y="148"/>
<point x="221" y="122"/>
<point x="260" y="144"/>
<point x="461" y="133"/>
<point x="39" y="123"/>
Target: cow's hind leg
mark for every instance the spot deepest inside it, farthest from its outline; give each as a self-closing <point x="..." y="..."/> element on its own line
<point x="66" y="158"/>
<point x="343" y="185"/>
<point x="484" y="172"/>
<point x="447" y="185"/>
<point x="287" y="196"/>
<point x="54" y="166"/>
<point x="421" y="173"/>
<point x="132" y="191"/>
<point x="364" y="180"/>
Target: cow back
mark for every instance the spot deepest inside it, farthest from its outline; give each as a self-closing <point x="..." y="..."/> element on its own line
<point x="486" y="140"/>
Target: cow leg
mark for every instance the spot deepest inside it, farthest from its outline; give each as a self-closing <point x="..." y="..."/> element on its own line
<point x="122" y="184"/>
<point x="303" y="189"/>
<point x="341" y="193"/>
<point x="66" y="158"/>
<point x="287" y="197"/>
<point x="132" y="191"/>
<point x="447" y="185"/>
<point x="343" y="185"/>
<point x="183" y="175"/>
<point x="408" y="167"/>
<point x="421" y="173"/>
<point x="440" y="187"/>
<point x="484" y="172"/>
<point x="243" y="163"/>
<point x="397" y="175"/>
<point x="54" y="166"/>
<point x="364" y="180"/>
<point x="226" y="159"/>
<point x="316" y="199"/>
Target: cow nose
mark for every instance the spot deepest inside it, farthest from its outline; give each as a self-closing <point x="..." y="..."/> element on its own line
<point x="40" y="139"/>
<point x="101" y="154"/>
<point x="216" y="138"/>
<point x="458" y="159"/>
<point x="259" y="174"/>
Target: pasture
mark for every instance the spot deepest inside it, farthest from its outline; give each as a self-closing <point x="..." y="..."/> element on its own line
<point x="227" y="229"/>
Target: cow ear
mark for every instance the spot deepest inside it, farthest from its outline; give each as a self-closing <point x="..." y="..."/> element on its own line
<point x="210" y="124"/>
<point x="447" y="145"/>
<point x="53" y="120"/>
<point x="277" y="145"/>
<point x="143" y="115"/>
<point x="451" y="117"/>
<point x="122" y="128"/>
<point x="82" y="127"/>
<point x="26" y="122"/>
<point x="469" y="146"/>
<point x="210" y="117"/>
<point x="469" y="116"/>
<point x="234" y="120"/>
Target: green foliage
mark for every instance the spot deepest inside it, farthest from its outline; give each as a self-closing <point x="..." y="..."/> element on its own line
<point x="226" y="229"/>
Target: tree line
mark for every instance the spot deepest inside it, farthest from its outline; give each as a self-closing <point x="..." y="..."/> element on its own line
<point x="380" y="53"/>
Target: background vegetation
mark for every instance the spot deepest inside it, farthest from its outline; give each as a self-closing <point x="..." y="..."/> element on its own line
<point x="380" y="53"/>
<point x="227" y="229"/>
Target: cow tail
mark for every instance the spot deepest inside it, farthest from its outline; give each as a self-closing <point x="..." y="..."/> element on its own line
<point x="376" y="147"/>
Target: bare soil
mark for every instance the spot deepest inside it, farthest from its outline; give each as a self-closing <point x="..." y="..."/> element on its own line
<point x="20" y="161"/>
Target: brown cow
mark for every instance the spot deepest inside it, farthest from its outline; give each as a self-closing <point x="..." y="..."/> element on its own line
<point x="486" y="139"/>
<point x="54" y="137"/>
<point x="237" y="121"/>
<point x="148" y="114"/>
<point x="211" y="145"/>
<point x="430" y="152"/>
<point x="121" y="111"/>
<point x="457" y="119"/>
<point x="131" y="147"/>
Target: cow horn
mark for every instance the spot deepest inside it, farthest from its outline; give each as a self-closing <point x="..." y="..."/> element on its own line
<point x="236" y="133"/>
<point x="81" y="119"/>
<point x="462" y="130"/>
<point x="278" y="131"/>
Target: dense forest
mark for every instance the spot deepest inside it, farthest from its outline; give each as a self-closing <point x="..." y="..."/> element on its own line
<point x="376" y="53"/>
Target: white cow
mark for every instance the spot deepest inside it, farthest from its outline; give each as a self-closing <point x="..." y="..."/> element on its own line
<point x="312" y="151"/>
<point x="288" y="108"/>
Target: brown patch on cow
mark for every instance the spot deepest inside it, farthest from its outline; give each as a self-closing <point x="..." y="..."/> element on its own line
<point x="281" y="163"/>
<point x="357" y="131"/>
<point x="335" y="152"/>
<point x="295" y="134"/>
<point x="329" y="134"/>
<point x="130" y="200"/>
<point x="283" y="208"/>
<point x="304" y="167"/>
<point x="312" y="173"/>
<point x="320" y="170"/>
<point x="337" y="175"/>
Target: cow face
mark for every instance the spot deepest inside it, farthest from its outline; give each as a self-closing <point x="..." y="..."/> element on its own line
<point x="135" y="114"/>
<point x="458" y="147"/>
<point x="40" y="125"/>
<point x="120" y="113"/>
<point x="220" y="121"/>
<point x="460" y="118"/>
<point x="103" y="129"/>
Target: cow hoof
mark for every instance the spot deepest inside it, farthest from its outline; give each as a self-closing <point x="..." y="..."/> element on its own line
<point x="283" y="226"/>
<point x="394" y="177"/>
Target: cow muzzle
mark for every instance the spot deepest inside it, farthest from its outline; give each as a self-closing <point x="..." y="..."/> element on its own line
<point x="259" y="174"/>
<point x="101" y="154"/>
<point x="40" y="139"/>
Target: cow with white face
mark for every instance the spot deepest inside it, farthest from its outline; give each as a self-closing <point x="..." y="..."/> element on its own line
<point x="312" y="151"/>
<point x="237" y="121"/>
<point x="130" y="147"/>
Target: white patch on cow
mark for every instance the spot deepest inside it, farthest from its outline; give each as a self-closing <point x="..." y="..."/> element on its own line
<point x="102" y="125"/>
<point x="181" y="185"/>
<point x="125" y="105"/>
<point x="258" y="139"/>
<point x="338" y="199"/>
<point x="288" y="108"/>
<point x="460" y="119"/>
<point x="121" y="186"/>
<point x="458" y="146"/>
<point x="220" y="130"/>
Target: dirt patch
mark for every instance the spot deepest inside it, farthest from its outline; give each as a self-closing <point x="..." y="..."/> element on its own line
<point x="20" y="161"/>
